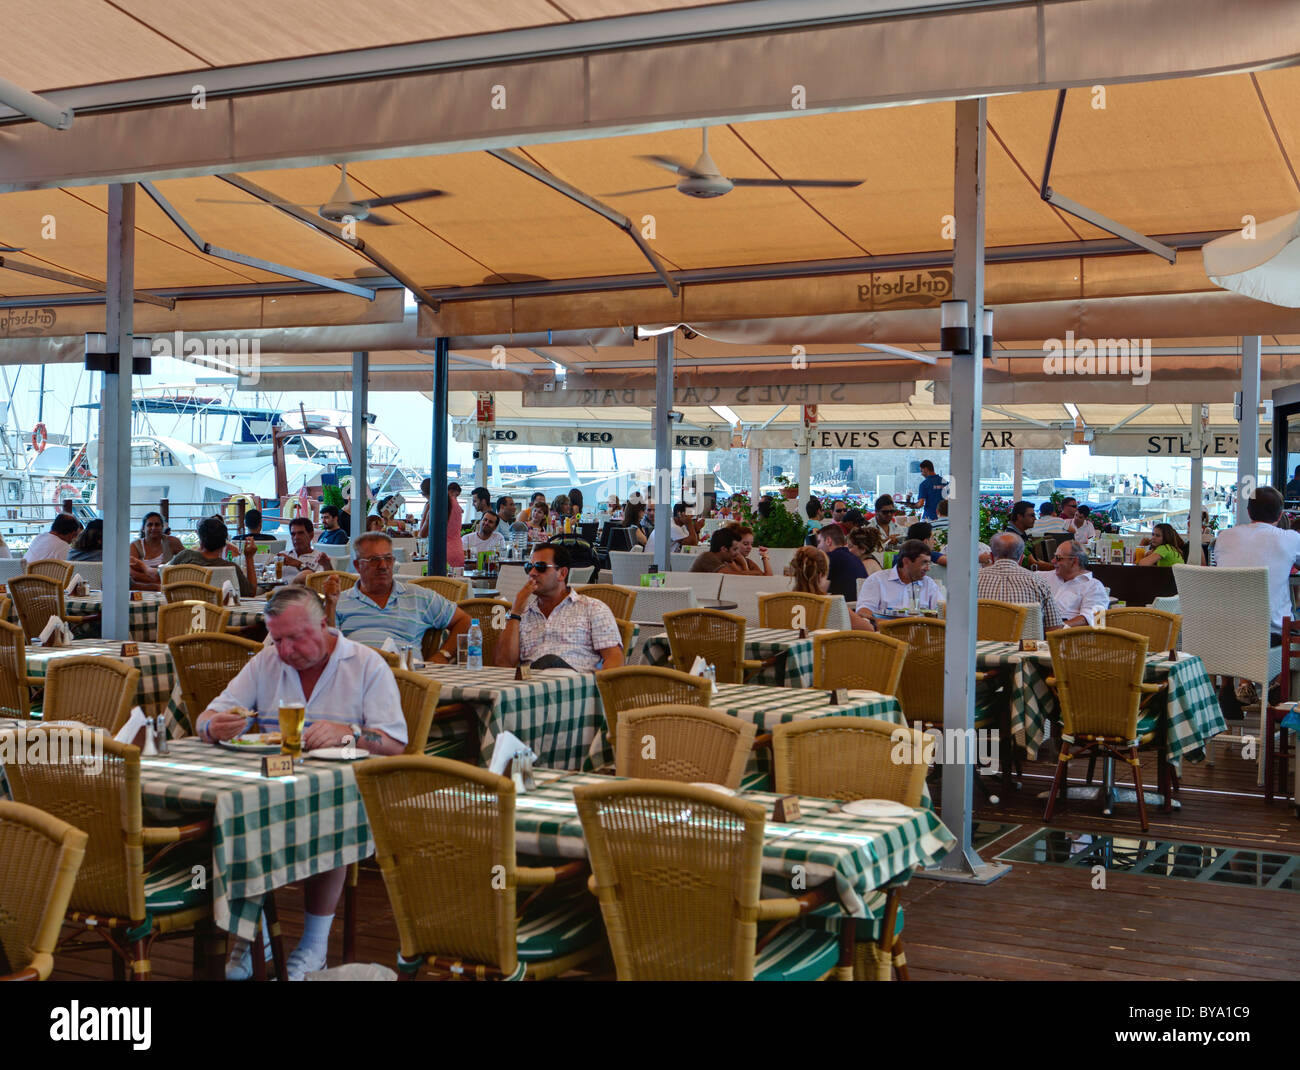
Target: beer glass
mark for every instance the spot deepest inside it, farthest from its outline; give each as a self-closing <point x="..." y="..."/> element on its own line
<point x="293" y="715"/>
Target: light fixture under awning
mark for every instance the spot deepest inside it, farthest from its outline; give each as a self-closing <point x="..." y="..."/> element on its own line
<point x="1261" y="261"/>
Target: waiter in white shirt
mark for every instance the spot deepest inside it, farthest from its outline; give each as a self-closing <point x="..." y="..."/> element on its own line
<point x="1262" y="544"/>
<point x="1077" y="592"/>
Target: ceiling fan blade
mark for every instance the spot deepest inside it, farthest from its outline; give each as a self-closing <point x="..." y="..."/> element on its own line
<point x="251" y="204"/>
<point x="824" y="183"/>
<point x="629" y="192"/>
<point x="402" y="198"/>
<point x="373" y="220"/>
<point x="676" y="166"/>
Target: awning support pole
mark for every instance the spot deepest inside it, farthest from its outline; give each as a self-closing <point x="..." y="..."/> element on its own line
<point x="360" y="440"/>
<point x="115" y="403"/>
<point x="1017" y="474"/>
<point x="1248" y="429"/>
<point x="437" y="552"/>
<point x="805" y="471"/>
<point x="755" y="475"/>
<point x="663" y="482"/>
<point x="1200" y="414"/>
<point x="963" y="862"/>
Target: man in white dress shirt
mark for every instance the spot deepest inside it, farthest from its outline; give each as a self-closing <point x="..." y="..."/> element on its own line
<point x="905" y="586"/>
<point x="1077" y="592"/>
<point x="352" y="701"/>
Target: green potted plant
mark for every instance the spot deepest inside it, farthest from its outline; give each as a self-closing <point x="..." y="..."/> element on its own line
<point x="780" y="528"/>
<point x="789" y="489"/>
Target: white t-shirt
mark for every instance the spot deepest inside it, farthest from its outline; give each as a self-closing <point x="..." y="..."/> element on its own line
<point x="1263" y="546"/>
<point x="473" y="543"/>
<point x="47" y="547"/>
<point x="1085" y="532"/>
<point x="676" y="535"/>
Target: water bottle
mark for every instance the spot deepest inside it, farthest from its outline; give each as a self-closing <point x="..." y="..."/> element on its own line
<point x="474" y="647"/>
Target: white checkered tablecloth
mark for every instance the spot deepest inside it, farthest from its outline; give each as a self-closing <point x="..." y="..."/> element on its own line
<point x="760" y="644"/>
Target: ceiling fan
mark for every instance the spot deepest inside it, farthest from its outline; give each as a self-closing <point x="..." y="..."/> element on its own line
<point x="703" y="179"/>
<point x="344" y="204"/>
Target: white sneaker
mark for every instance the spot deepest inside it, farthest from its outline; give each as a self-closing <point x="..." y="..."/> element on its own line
<point x="239" y="964"/>
<point x="305" y="960"/>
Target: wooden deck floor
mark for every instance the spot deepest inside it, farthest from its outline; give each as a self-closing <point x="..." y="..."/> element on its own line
<point x="1029" y="925"/>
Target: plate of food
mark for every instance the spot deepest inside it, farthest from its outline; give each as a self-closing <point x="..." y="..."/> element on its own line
<point x="255" y="743"/>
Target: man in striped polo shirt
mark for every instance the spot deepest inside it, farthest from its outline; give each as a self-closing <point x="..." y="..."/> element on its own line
<point x="378" y="607"/>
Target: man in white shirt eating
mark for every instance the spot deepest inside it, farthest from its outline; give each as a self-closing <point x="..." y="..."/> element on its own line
<point x="906" y="586"/>
<point x="1077" y="592"/>
<point x="352" y="700"/>
<point x="303" y="560"/>
<point x="484" y="537"/>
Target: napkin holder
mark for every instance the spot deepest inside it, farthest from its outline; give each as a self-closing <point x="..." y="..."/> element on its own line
<point x="56" y="633"/>
<point x="229" y="596"/>
<point x="839" y="696"/>
<point x="786" y="810"/>
<point x="523" y="672"/>
<point x="129" y="733"/>
<point x="76" y="586"/>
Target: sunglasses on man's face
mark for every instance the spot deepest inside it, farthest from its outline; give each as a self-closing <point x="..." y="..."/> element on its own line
<point x="537" y="566"/>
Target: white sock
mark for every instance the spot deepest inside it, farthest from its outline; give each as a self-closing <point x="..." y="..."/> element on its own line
<point x="316" y="931"/>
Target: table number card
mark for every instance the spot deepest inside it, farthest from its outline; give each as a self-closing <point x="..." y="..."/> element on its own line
<point x="839" y="696"/>
<point x="786" y="809"/>
<point x="130" y="650"/>
<point x="276" y="765"/>
<point x="1031" y="646"/>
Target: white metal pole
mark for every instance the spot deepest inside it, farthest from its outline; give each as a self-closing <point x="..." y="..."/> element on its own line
<point x="805" y="472"/>
<point x="755" y="475"/>
<point x="663" y="481"/>
<point x="115" y="400"/>
<point x="1248" y="429"/>
<point x="360" y="440"/>
<point x="1195" y="485"/>
<point x="1017" y="474"/>
<point x="966" y="379"/>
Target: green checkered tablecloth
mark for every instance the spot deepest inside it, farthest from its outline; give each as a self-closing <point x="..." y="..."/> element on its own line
<point x="266" y="832"/>
<point x="142" y="616"/>
<point x="859" y="854"/>
<point x="1191" y="705"/>
<point x="760" y="644"/>
<point x="158" y="692"/>
<point x="556" y="713"/>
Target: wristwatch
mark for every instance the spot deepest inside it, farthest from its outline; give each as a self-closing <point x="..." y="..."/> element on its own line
<point x="355" y="729"/>
<point x="514" y="616"/>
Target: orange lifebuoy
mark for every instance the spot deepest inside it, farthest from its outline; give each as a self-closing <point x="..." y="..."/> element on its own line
<point x="39" y="438"/>
<point x="64" y="491"/>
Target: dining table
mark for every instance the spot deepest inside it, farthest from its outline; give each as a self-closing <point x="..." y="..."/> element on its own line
<point x="794" y="669"/>
<point x="142" y="615"/>
<point x="1190" y="705"/>
<point x="159" y="689"/>
<point x="861" y="855"/>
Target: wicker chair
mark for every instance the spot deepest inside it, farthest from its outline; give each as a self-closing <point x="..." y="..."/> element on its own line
<point x="6" y="607"/>
<point x="717" y="637"/>
<point x="1277" y="755"/>
<point x="627" y="630"/>
<point x="680" y="897"/>
<point x="97" y="691"/>
<point x="192" y="592"/>
<point x="779" y="610"/>
<point x="59" y="571"/>
<point x="1000" y="622"/>
<point x="484" y="610"/>
<point x="37" y="599"/>
<point x="205" y="663"/>
<point x="317" y="580"/>
<point x="1098" y="679"/>
<point x="390" y="657"/>
<point x="445" y="842"/>
<point x="134" y="885"/>
<point x="860" y="660"/>
<point x="1160" y="628"/>
<point x="854" y="758"/>
<point x="619" y="599"/>
<point x="452" y="588"/>
<point x="633" y="687"/>
<point x="184" y="574"/>
<point x="183" y="618"/>
<point x="39" y="859"/>
<point x="920" y="687"/>
<point x="15" y="685"/>
<point x="689" y="744"/>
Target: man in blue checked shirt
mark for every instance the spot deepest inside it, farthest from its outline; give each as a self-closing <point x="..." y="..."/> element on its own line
<point x="378" y="607"/>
